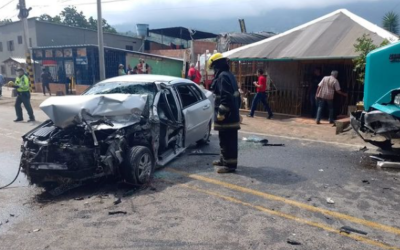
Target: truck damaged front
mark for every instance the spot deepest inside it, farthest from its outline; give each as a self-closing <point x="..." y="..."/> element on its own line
<point x="86" y="138"/>
<point x="379" y="122"/>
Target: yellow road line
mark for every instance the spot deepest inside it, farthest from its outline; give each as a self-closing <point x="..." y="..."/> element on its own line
<point x="291" y="217"/>
<point x="338" y="215"/>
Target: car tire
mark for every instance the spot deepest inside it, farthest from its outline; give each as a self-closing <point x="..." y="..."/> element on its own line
<point x="206" y="138"/>
<point x="138" y="165"/>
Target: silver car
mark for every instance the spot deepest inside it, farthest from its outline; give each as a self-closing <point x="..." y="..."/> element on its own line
<point x="123" y="127"/>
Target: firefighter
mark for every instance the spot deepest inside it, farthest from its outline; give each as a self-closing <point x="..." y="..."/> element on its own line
<point x="227" y="117"/>
<point x="23" y="96"/>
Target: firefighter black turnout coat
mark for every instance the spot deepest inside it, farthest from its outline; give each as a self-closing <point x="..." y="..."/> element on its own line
<point x="227" y="102"/>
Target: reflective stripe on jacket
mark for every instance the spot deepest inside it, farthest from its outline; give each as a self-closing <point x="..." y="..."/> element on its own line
<point x="22" y="82"/>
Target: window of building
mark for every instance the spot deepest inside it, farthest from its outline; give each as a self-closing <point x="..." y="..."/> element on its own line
<point x="13" y="71"/>
<point x="129" y="47"/>
<point x="1" y="47"/>
<point x="19" y="39"/>
<point x="3" y="69"/>
<point x="10" y="45"/>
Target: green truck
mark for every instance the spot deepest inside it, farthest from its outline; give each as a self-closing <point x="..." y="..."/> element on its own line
<point x="379" y="123"/>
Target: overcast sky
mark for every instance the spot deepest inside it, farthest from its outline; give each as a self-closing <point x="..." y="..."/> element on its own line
<point x="158" y="11"/>
<point x="121" y="11"/>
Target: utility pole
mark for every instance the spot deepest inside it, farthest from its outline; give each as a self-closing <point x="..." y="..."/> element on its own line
<point x="100" y="41"/>
<point x="23" y="15"/>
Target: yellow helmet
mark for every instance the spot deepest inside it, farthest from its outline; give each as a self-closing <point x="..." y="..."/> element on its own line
<point x="213" y="58"/>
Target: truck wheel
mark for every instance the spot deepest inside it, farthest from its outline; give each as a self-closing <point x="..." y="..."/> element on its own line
<point x="138" y="166"/>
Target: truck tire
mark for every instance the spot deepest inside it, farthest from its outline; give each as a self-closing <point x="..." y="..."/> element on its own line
<point x="138" y="165"/>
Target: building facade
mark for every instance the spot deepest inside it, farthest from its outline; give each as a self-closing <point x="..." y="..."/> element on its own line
<point x="50" y="34"/>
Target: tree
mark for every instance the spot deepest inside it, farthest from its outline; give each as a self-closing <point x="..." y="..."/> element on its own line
<point x="390" y="22"/>
<point x="71" y="17"/>
<point x="364" y="46"/>
<point x="48" y="18"/>
<point x="5" y="21"/>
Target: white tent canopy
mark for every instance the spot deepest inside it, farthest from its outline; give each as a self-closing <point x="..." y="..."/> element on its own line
<point x="329" y="37"/>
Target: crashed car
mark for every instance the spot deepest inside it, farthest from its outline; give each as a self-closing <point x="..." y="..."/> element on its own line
<point x="122" y="127"/>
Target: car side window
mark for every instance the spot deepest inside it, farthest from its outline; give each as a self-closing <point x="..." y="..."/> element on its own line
<point x="199" y="93"/>
<point x="172" y="103"/>
<point x="188" y="96"/>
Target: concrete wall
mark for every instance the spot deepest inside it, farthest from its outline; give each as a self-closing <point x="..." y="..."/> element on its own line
<point x="10" y="32"/>
<point x="55" y="35"/>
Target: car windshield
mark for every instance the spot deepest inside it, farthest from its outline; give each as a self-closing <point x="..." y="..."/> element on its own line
<point x="139" y="88"/>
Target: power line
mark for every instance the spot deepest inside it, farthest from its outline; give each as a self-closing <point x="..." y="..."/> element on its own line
<point x="6" y="4"/>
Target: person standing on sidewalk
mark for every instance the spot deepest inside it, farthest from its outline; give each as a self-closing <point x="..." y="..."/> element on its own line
<point x="261" y="95"/>
<point x="1" y="84"/>
<point x="227" y="118"/>
<point x="325" y="93"/>
<point x="46" y="79"/>
<point x="23" y="96"/>
<point x="316" y="79"/>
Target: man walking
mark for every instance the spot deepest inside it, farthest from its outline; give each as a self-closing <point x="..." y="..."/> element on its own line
<point x="325" y="93"/>
<point x="23" y="96"/>
<point x="1" y="84"/>
<point x="46" y="79"/>
<point x="261" y="95"/>
<point x="227" y="118"/>
<point x="194" y="74"/>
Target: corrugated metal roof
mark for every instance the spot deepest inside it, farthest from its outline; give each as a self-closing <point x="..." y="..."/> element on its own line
<point x="330" y="36"/>
<point x="105" y="47"/>
<point x="246" y="38"/>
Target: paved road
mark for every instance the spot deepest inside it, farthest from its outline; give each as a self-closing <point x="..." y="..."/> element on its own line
<point x="279" y="193"/>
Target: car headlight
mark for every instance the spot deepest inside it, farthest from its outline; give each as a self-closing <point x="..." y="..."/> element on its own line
<point x="397" y="99"/>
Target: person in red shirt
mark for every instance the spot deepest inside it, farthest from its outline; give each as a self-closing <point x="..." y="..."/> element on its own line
<point x="194" y="74"/>
<point x="261" y="95"/>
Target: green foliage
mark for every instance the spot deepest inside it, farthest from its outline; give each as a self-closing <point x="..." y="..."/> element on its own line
<point x="364" y="46"/>
<point x="390" y="22"/>
<point x="71" y="17"/>
<point x="5" y="21"/>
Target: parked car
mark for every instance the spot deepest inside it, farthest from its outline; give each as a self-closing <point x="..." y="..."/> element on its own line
<point x="122" y="127"/>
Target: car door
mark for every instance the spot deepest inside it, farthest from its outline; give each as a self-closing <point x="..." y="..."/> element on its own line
<point x="196" y="109"/>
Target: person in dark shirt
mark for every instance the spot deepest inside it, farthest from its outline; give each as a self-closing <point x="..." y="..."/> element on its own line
<point x="315" y="80"/>
<point x="46" y="80"/>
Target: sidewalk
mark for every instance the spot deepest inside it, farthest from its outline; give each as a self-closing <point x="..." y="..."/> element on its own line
<point x="298" y="127"/>
<point x="7" y="99"/>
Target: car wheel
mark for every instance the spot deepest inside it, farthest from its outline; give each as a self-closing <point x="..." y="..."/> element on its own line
<point x="206" y="138"/>
<point x="138" y="166"/>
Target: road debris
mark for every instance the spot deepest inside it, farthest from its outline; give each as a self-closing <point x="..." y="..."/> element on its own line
<point x="366" y="182"/>
<point x="258" y="140"/>
<point x="36" y="230"/>
<point x="388" y="164"/>
<point x="330" y="201"/>
<point x="364" y="149"/>
<point x="348" y="230"/>
<point x="12" y="215"/>
<point x="117" y="201"/>
<point x="116" y="212"/>
<point x="293" y="242"/>
<point x="321" y="170"/>
<point x="376" y="158"/>
<point x="79" y="198"/>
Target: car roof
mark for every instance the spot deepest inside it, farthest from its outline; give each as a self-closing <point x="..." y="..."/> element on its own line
<point x="143" y="78"/>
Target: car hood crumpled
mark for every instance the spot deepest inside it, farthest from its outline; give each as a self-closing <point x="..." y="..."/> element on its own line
<point x="120" y="109"/>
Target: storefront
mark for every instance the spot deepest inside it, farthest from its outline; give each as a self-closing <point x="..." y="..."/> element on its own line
<point x="77" y="66"/>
